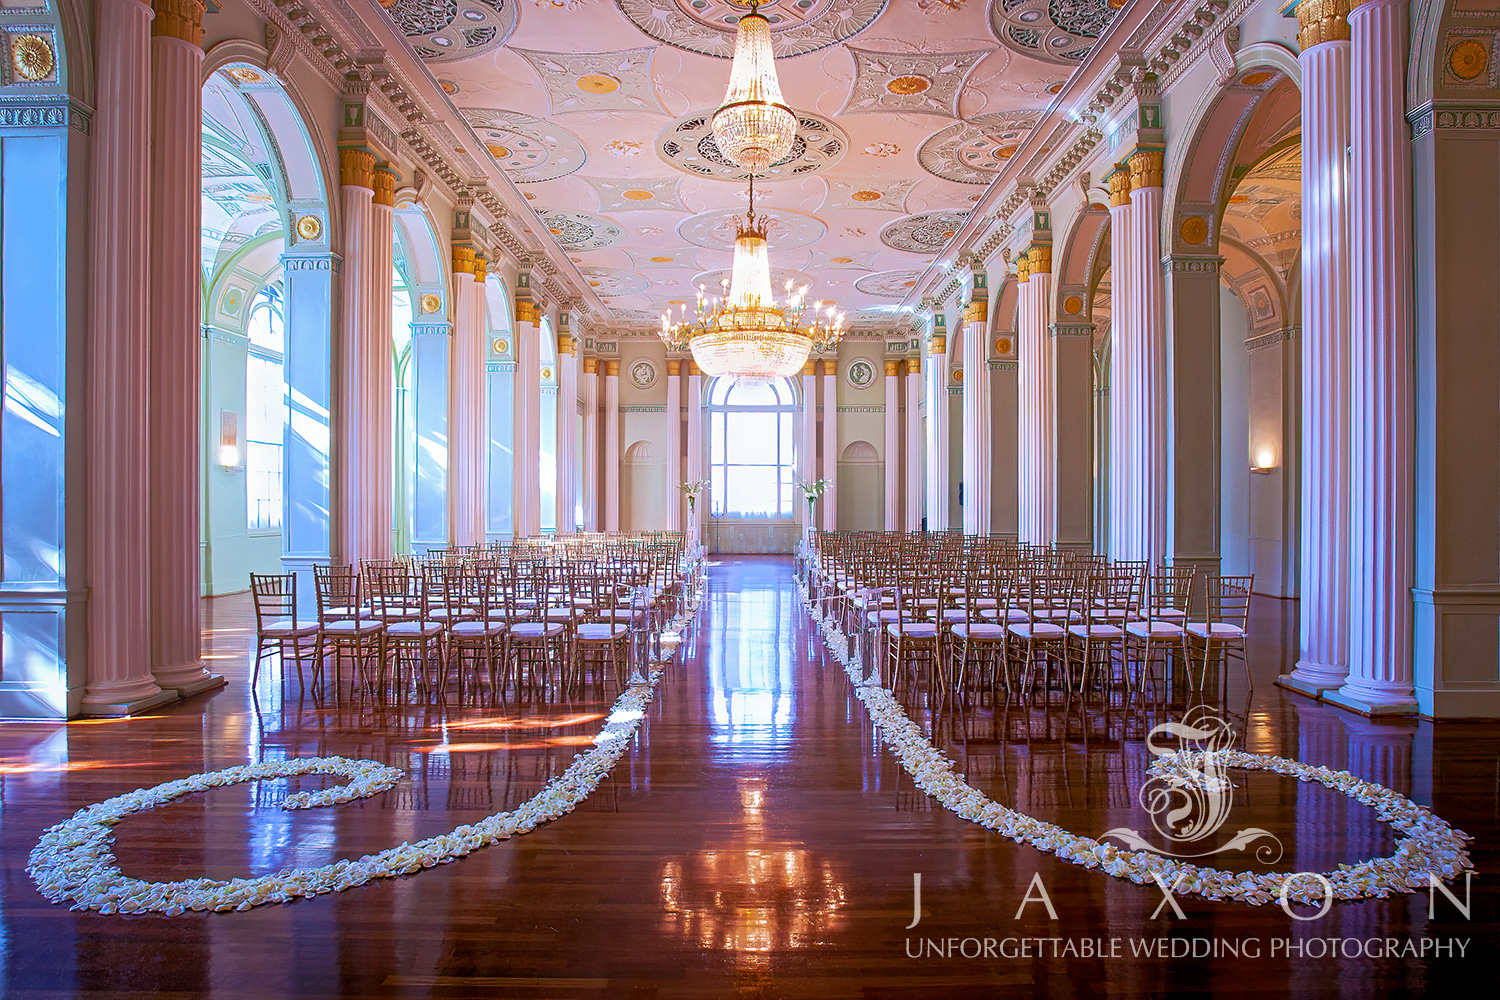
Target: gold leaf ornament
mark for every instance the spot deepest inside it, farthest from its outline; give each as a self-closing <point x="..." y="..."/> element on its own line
<point x="31" y="57"/>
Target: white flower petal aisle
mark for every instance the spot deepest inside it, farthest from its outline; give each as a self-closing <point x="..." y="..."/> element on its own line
<point x="75" y="859"/>
<point x="1428" y="846"/>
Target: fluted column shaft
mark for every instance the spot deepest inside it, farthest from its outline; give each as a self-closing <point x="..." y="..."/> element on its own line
<point x="611" y="446"/>
<point x="1036" y="421"/>
<point x="1146" y="394"/>
<point x="977" y="418"/>
<point x="911" y="456"/>
<point x="356" y="328"/>
<point x="673" y="492"/>
<point x="1123" y="472"/>
<point x="589" y="482"/>
<point x="528" y="404"/>
<point x="936" y="392"/>
<point x="695" y="456"/>
<point x="1323" y="657"/>
<point x="807" y="446"/>
<point x="829" y="504"/>
<point x="118" y="365"/>
<point x="378" y="438"/>
<point x="176" y="372"/>
<point x="567" y="435"/>
<point x="467" y="451"/>
<point x="1381" y="391"/>
<point x="892" y="466"/>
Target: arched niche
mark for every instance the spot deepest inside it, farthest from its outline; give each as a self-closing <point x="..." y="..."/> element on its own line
<point x="861" y="493"/>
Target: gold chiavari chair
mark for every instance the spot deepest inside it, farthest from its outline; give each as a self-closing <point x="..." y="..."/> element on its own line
<point x="343" y="631"/>
<point x="410" y="639"/>
<point x="1221" y="635"/>
<point x="277" y="624"/>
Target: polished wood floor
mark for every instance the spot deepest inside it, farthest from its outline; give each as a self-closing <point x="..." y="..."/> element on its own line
<point x="756" y="842"/>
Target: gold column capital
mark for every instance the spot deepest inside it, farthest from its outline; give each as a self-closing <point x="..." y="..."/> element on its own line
<point x="914" y="366"/>
<point x="1146" y="169"/>
<point x="590" y="366"/>
<point x="481" y="268"/>
<point x="383" y="180"/>
<point x="1039" y="258"/>
<point x="938" y="344"/>
<point x="978" y="310"/>
<point x="463" y="259"/>
<point x="892" y="369"/>
<point x="611" y="369"/>
<point x="178" y="19"/>
<point x="1119" y="186"/>
<point x="527" y="311"/>
<point x="693" y="368"/>
<point x="810" y="369"/>
<point x="1023" y="267"/>
<point x="674" y="368"/>
<point x="564" y="343"/>
<point x="356" y="167"/>
<point x="1320" y="21"/>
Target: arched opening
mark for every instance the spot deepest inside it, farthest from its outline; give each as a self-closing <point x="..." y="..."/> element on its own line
<point x="419" y="354"/>
<point x="266" y="315"/>
<point x="751" y="456"/>
<point x="642" y="489"/>
<point x="500" y="379"/>
<point x="861" y="496"/>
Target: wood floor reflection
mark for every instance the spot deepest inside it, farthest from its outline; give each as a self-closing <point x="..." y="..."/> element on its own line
<point x="755" y="841"/>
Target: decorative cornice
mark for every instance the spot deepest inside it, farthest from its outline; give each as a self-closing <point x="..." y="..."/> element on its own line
<point x="1178" y="263"/>
<point x="860" y="408"/>
<point x="638" y="408"/>
<point x="1071" y="329"/>
<point x="1002" y="366"/>
<point x="1444" y="117"/>
<point x="311" y="262"/>
<point x="46" y="112"/>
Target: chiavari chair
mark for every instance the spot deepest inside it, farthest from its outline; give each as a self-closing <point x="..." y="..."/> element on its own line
<point x="410" y="638"/>
<point x="343" y="632"/>
<point x="475" y="634"/>
<point x="1221" y="635"/>
<point x="277" y="623"/>
<point x="1161" y="632"/>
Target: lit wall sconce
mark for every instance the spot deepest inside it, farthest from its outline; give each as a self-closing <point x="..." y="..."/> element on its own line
<point x="229" y="441"/>
<point x="1265" y="460"/>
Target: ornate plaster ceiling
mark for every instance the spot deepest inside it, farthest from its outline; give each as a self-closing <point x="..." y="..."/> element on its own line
<point x="592" y="105"/>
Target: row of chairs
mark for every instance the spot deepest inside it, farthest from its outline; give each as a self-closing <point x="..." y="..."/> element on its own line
<point x="538" y="619"/>
<point x="961" y="613"/>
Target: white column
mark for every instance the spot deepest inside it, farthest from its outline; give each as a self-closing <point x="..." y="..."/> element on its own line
<point x="1147" y="399"/>
<point x="528" y="402"/>
<point x="117" y="366"/>
<point x="176" y="372"/>
<point x="356" y="328"/>
<point x="695" y="456"/>
<point x="589" y="481"/>
<point x="829" y="503"/>
<point x="892" y="446"/>
<point x="611" y="446"/>
<point x="379" y="441"/>
<point x="977" y="417"/>
<point x="466" y="446"/>
<point x="911" y="454"/>
<point x="1123" y="468"/>
<point x="673" y="492"/>
<point x="937" y="430"/>
<point x="807" y="447"/>
<point x="1381" y="397"/>
<point x="567" y="434"/>
<point x="1035" y="430"/>
<point x="1323" y="659"/>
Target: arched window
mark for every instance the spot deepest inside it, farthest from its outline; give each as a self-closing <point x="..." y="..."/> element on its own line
<point x="751" y="461"/>
<point x="265" y="405"/>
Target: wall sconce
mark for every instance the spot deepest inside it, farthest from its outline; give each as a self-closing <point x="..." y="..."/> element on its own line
<point x="1264" y="461"/>
<point x="229" y="441"/>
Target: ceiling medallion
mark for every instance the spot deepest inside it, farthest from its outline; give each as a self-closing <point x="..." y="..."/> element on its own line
<point x="890" y="198"/>
<point x="717" y="280"/>
<point x="637" y="194"/>
<point x="927" y="232"/>
<point x="528" y="148"/>
<point x="973" y="151"/>
<point x="786" y="230"/>
<point x="31" y="57"/>
<point x="922" y="83"/>
<point x="448" y="30"/>
<point x="609" y="281"/>
<point x="580" y="231"/>
<point x="1056" y="31"/>
<point x="888" y="284"/>
<point x="689" y="145"/>
<point x="595" y="81"/>
<point x="309" y="227"/>
<point x="708" y="26"/>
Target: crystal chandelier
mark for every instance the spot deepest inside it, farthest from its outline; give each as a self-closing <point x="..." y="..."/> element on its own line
<point x="754" y="127"/>
<point x="746" y="335"/>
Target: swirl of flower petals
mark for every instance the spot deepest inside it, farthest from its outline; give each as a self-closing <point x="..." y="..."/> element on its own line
<point x="1428" y="846"/>
<point x="75" y="859"/>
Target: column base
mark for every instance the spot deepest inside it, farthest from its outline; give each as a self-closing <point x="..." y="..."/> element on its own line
<point x="1365" y="703"/>
<point x="190" y="680"/>
<point x="1312" y="679"/>
<point x="103" y="704"/>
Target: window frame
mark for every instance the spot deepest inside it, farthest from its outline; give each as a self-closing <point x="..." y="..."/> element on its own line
<point x="719" y="411"/>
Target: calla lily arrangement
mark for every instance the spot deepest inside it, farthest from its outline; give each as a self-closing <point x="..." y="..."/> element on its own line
<point x="813" y="490"/>
<point x="693" y="490"/>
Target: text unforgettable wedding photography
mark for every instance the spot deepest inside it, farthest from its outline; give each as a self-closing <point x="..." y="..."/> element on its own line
<point x="749" y="498"/>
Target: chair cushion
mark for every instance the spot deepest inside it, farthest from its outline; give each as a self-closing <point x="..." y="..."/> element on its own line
<point x="1221" y="630"/>
<point x="886" y="615"/>
<point x="286" y="628"/>
<point x="413" y="630"/>
<point x="476" y="629"/>
<point x="351" y="626"/>
<point x="535" y="630"/>
<point x="1036" y="630"/>
<point x="978" y="630"/>
<point x="1155" y="630"/>
<point x="1095" y="631"/>
<point x="1168" y="613"/>
<point x="1009" y="614"/>
<point x="600" y="631"/>
<point x="913" y="630"/>
<point x="955" y="615"/>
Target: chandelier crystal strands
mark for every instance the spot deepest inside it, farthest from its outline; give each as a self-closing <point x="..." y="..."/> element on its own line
<point x="745" y="334"/>
<point x="754" y="127"/>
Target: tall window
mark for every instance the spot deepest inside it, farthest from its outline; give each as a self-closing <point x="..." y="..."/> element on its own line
<point x="265" y="408"/>
<point x="751" y="463"/>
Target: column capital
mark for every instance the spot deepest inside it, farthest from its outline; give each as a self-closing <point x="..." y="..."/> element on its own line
<point x="463" y="260"/>
<point x="481" y="267"/>
<point x="527" y="311"/>
<point x="356" y="167"/>
<point x="1319" y="21"/>
<point x="693" y="369"/>
<point x="1023" y="267"/>
<point x="178" y="19"/>
<point x="914" y="366"/>
<point x="1119" y="186"/>
<point x="383" y="181"/>
<point x="591" y="366"/>
<point x="937" y="344"/>
<point x="1039" y="258"/>
<point x="564" y="343"/>
<point x="1145" y="168"/>
<point x="611" y="369"/>
<point x="810" y="370"/>
<point x="674" y="368"/>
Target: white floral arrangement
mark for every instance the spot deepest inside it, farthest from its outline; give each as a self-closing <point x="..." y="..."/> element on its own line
<point x="1428" y="845"/>
<point x="75" y="859"/>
